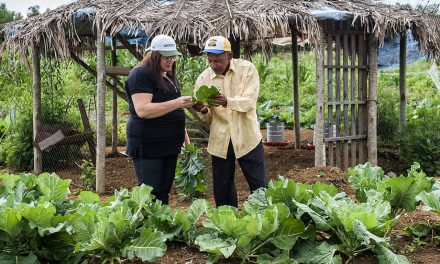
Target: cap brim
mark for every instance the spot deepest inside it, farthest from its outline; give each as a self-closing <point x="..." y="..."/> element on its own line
<point x="168" y="53"/>
<point x="215" y="51"/>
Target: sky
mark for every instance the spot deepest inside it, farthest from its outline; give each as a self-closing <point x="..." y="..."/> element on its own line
<point x="22" y="5"/>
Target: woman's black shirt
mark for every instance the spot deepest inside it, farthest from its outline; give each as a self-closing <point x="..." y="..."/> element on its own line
<point x="155" y="137"/>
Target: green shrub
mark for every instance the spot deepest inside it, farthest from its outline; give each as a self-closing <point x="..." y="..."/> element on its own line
<point x="421" y="140"/>
<point x="387" y="121"/>
<point x="122" y="135"/>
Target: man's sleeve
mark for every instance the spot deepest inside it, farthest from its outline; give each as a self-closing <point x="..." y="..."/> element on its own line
<point x="248" y="99"/>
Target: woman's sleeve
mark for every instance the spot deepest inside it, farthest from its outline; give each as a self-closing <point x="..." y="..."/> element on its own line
<point x="141" y="81"/>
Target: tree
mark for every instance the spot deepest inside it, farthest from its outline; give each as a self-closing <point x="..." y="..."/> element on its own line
<point x="8" y="16"/>
<point x="33" y="11"/>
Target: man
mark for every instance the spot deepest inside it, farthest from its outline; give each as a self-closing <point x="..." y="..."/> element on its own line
<point x="235" y="131"/>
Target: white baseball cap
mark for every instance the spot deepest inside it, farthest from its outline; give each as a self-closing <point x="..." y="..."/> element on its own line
<point x="165" y="45"/>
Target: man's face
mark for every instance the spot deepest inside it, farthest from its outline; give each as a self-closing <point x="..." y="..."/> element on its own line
<point x="219" y="62"/>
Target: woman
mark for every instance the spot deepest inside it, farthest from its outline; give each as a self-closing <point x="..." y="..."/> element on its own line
<point x="156" y="128"/>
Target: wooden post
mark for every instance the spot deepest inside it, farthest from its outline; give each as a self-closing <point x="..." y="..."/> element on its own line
<point x="36" y="114"/>
<point x="100" y="109"/>
<point x="114" y="104"/>
<point x="235" y="46"/>
<point x="87" y="128"/>
<point x="295" y="86"/>
<point x="372" y="100"/>
<point x="319" y="123"/>
<point x="402" y="83"/>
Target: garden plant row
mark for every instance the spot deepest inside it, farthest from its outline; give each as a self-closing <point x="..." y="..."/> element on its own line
<point x="288" y="222"/>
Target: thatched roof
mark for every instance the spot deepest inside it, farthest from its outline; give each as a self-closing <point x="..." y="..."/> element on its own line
<point x="192" y="21"/>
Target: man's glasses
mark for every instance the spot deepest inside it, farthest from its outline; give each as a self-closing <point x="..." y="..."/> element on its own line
<point x="170" y="58"/>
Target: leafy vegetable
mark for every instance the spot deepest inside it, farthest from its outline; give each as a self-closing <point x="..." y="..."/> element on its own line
<point x="190" y="173"/>
<point x="203" y="94"/>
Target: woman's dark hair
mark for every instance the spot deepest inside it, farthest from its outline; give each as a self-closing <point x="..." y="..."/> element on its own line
<point x="152" y="62"/>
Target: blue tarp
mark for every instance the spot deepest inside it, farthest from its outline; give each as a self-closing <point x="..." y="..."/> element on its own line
<point x="389" y="53"/>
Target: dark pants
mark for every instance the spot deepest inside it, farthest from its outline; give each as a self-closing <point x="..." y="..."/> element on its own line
<point x="223" y="170"/>
<point x="159" y="173"/>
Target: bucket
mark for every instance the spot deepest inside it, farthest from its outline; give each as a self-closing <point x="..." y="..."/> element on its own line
<point x="275" y="132"/>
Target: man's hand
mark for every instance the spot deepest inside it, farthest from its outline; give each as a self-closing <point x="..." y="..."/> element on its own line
<point x="199" y="107"/>
<point x="219" y="100"/>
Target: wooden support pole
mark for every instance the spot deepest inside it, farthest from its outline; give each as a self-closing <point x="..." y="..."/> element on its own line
<point x="36" y="114"/>
<point x="100" y="110"/>
<point x="114" y="105"/>
<point x="295" y="86"/>
<point x="402" y="82"/>
<point x="129" y="47"/>
<point x="87" y="128"/>
<point x="235" y="46"/>
<point x="372" y="100"/>
<point x="93" y="72"/>
<point x="320" y="160"/>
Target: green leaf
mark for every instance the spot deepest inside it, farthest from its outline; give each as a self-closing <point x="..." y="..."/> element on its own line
<point x="386" y="256"/>
<point x="402" y="192"/>
<point x="203" y="94"/>
<point x="149" y="246"/>
<point x="362" y="234"/>
<point x="283" y="258"/>
<point x="197" y="209"/>
<point x="288" y="233"/>
<point x="418" y="230"/>
<point x="10" y="259"/>
<point x="213" y="244"/>
<point x="83" y="226"/>
<point x="317" y="253"/>
<point x="10" y="223"/>
<point x="430" y="200"/>
<point x="53" y="188"/>
<point x="40" y="216"/>
<point x="88" y="197"/>
<point x="141" y="195"/>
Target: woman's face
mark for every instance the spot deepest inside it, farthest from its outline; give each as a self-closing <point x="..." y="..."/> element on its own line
<point x="166" y="63"/>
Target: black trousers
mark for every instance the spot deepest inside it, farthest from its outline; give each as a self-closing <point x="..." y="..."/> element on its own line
<point x="159" y="173"/>
<point x="223" y="170"/>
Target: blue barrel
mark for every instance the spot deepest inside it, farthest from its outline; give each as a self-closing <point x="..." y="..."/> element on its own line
<point x="275" y="132"/>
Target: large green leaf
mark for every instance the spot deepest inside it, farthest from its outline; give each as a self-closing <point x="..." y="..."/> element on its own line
<point x="213" y="244"/>
<point x="10" y="259"/>
<point x="148" y="246"/>
<point x="104" y="238"/>
<point x="283" y="258"/>
<point x="203" y="94"/>
<point x="87" y="197"/>
<point x="83" y="226"/>
<point x="41" y="216"/>
<point x="53" y="188"/>
<point x="141" y="195"/>
<point x="386" y="256"/>
<point x="288" y="233"/>
<point x="285" y="191"/>
<point x="317" y="253"/>
<point x="362" y="234"/>
<point x="430" y="200"/>
<point x="197" y="209"/>
<point x="402" y="192"/>
<point x="10" y="223"/>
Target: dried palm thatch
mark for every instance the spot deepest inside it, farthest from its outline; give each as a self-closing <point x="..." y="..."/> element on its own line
<point x="192" y="21"/>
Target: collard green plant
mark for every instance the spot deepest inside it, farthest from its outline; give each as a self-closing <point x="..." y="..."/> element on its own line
<point x="364" y="177"/>
<point x="190" y="173"/>
<point x="203" y="94"/>
<point x="87" y="175"/>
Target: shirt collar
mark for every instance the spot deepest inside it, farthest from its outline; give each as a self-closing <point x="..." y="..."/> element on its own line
<point x="212" y="74"/>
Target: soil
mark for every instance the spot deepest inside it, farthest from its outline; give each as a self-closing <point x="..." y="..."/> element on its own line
<point x="286" y="161"/>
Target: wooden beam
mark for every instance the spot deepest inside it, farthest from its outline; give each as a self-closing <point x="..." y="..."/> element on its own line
<point x="129" y="47"/>
<point x="100" y="110"/>
<point x="36" y="111"/>
<point x="235" y="46"/>
<point x="93" y="72"/>
<point x="113" y="71"/>
<point x="295" y="86"/>
<point x="320" y="160"/>
<point x="402" y="83"/>
<point x="372" y="100"/>
<point x="114" y="104"/>
<point x="52" y="140"/>
<point x="92" y="48"/>
<point x="87" y="128"/>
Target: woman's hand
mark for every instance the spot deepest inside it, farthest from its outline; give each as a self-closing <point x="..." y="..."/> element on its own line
<point x="184" y="101"/>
